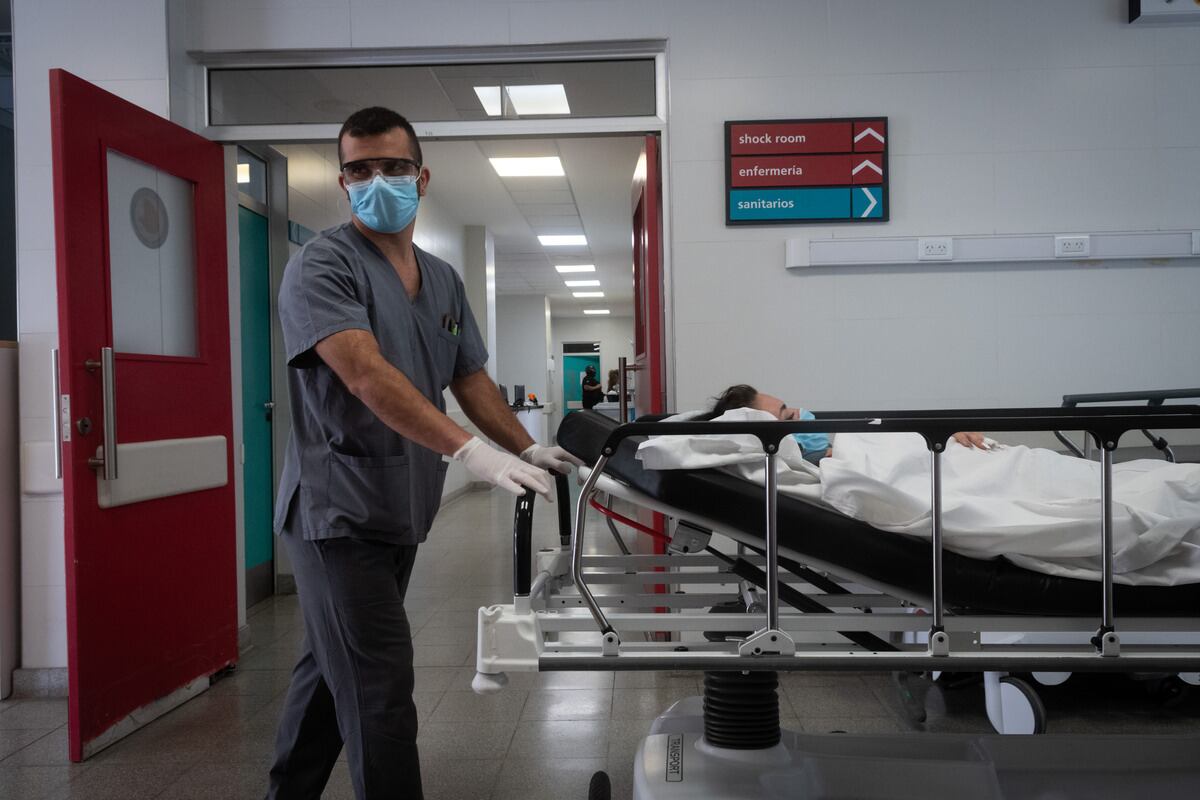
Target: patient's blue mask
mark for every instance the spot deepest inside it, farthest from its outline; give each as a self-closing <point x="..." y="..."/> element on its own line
<point x="811" y="442"/>
<point x="385" y="204"/>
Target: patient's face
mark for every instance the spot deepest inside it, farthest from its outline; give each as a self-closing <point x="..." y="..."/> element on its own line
<point x="773" y="405"/>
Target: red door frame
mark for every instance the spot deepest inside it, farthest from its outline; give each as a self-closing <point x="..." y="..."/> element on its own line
<point x="151" y="587"/>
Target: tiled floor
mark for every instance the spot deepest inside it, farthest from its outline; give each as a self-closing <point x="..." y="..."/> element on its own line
<point x="542" y="737"/>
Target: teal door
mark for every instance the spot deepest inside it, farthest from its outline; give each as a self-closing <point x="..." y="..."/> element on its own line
<point x="573" y="367"/>
<point x="255" y="266"/>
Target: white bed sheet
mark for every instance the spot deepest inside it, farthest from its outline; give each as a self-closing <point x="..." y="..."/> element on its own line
<point x="1038" y="508"/>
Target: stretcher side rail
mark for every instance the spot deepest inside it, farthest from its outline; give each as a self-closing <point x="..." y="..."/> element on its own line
<point x="1105" y="424"/>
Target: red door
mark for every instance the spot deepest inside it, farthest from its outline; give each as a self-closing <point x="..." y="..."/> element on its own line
<point x="143" y="315"/>
<point x="648" y="349"/>
<point x="649" y="352"/>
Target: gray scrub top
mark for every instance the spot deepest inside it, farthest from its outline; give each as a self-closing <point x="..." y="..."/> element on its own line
<point x="348" y="473"/>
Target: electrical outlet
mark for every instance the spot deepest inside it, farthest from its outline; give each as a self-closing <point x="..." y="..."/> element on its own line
<point x="1072" y="246"/>
<point x="935" y="248"/>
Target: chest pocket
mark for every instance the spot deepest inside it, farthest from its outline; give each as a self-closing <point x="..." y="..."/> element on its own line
<point x="445" y="356"/>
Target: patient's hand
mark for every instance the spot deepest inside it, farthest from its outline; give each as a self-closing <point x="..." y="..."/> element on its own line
<point x="971" y="439"/>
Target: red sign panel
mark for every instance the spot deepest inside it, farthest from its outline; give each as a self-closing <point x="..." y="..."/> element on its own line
<point x="870" y="136"/>
<point x="790" y="137"/>
<point x="832" y="170"/>
<point x="866" y="169"/>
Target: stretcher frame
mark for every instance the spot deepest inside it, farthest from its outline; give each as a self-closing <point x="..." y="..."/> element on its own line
<point x="529" y="634"/>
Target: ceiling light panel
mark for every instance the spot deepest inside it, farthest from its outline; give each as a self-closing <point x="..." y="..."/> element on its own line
<point x="582" y="283"/>
<point x="541" y="167"/>
<point x="565" y="268"/>
<point x="489" y="98"/>
<point x="556" y="240"/>
<point x="541" y="100"/>
<point x="596" y="311"/>
<point x="588" y="294"/>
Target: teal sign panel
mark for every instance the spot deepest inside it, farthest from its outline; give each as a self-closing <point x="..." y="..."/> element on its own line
<point x="780" y="204"/>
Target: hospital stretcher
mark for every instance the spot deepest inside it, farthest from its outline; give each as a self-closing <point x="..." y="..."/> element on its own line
<point x="822" y="591"/>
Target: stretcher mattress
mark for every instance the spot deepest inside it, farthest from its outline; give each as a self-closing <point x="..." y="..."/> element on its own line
<point x="896" y="560"/>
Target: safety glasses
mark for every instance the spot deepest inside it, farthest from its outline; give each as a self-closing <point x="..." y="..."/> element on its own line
<point x="365" y="169"/>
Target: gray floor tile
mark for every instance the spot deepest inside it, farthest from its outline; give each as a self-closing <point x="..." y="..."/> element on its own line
<point x="45" y="749"/>
<point x="426" y="702"/>
<point x="269" y="682"/>
<point x="503" y="706"/>
<point x="810" y="702"/>
<point x="689" y="681"/>
<point x="433" y="635"/>
<point x="207" y="781"/>
<point x="546" y="779"/>
<point x="568" y="704"/>
<point x="15" y="740"/>
<point x="573" y="680"/>
<point x="33" y="783"/>
<point x="543" y="739"/>
<point x="646" y="703"/>
<point x="33" y="714"/>
<point x="468" y="740"/>
<point x="119" y="782"/>
<point x="453" y="655"/>
<point x="458" y="778"/>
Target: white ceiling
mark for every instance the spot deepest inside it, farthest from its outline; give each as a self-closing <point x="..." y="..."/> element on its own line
<point x="593" y="198"/>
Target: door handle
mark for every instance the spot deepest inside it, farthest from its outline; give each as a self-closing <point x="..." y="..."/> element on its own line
<point x="108" y="379"/>
<point x="269" y="405"/>
<point x="56" y="413"/>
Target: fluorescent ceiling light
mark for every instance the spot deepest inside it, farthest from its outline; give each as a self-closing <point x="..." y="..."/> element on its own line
<point x="595" y="311"/>
<point x="243" y="173"/>
<point x="583" y="283"/>
<point x="548" y="98"/>
<point x="544" y="167"/>
<point x="489" y="97"/>
<point x="574" y="240"/>
<point x="588" y="294"/>
<point x="575" y="267"/>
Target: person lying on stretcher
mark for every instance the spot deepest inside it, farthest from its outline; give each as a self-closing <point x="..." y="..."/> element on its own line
<point x="814" y="446"/>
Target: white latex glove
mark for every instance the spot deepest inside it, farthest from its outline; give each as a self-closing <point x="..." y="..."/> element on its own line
<point x="503" y="469"/>
<point x="550" y="458"/>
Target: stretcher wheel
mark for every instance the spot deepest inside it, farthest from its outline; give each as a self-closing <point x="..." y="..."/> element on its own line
<point x="1022" y="709"/>
<point x="1169" y="691"/>
<point x="600" y="787"/>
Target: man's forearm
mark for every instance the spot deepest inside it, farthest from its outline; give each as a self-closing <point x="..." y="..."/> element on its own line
<point x="480" y="400"/>
<point x="393" y="398"/>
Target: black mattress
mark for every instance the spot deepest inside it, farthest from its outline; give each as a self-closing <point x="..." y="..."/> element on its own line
<point x="904" y="562"/>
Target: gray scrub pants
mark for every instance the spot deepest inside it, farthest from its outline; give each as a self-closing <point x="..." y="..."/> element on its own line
<point x="353" y="683"/>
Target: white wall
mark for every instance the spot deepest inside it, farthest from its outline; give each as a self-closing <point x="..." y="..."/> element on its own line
<point x="124" y="51"/>
<point x="10" y="563"/>
<point x="998" y="124"/>
<point x="615" y="335"/>
<point x="522" y="343"/>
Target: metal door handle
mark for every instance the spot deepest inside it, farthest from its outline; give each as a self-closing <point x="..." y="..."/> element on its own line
<point x="108" y="378"/>
<point x="56" y="412"/>
<point x="270" y="404"/>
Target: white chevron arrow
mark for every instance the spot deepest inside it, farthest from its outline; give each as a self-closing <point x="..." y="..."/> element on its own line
<point x="868" y="131"/>
<point x="864" y="164"/>
<point x="870" y="196"/>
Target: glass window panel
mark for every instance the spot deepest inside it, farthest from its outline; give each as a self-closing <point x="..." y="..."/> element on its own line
<point x="152" y="259"/>
<point x="252" y="176"/>
<point x="453" y="92"/>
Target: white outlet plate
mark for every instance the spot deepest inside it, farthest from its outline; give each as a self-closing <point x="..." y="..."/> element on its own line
<point x="935" y="248"/>
<point x="1072" y="246"/>
<point x="1196" y="243"/>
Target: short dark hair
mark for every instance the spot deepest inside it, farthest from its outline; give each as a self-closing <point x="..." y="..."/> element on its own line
<point x="374" y="121"/>
<point x="739" y="395"/>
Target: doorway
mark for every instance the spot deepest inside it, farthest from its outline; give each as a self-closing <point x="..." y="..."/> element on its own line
<point x="577" y="357"/>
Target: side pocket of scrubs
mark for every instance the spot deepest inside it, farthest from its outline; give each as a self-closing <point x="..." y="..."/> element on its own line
<point x="369" y="493"/>
<point x="433" y="497"/>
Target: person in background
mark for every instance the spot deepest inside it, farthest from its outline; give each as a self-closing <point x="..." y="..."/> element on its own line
<point x="814" y="446"/>
<point x="614" y="379"/>
<point x="592" y="391"/>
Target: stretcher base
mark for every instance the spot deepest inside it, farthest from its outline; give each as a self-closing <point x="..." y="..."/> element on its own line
<point x="675" y="762"/>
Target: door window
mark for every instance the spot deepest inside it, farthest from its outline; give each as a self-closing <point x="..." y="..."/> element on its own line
<point x="151" y="258"/>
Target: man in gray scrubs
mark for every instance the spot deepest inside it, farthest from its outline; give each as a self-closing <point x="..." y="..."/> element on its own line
<point x="375" y="329"/>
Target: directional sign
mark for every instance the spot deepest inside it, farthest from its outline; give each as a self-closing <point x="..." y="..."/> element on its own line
<point x="806" y="170"/>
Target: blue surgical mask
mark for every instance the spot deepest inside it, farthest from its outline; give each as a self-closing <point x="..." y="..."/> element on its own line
<point x="385" y="205"/>
<point x="811" y="442"/>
